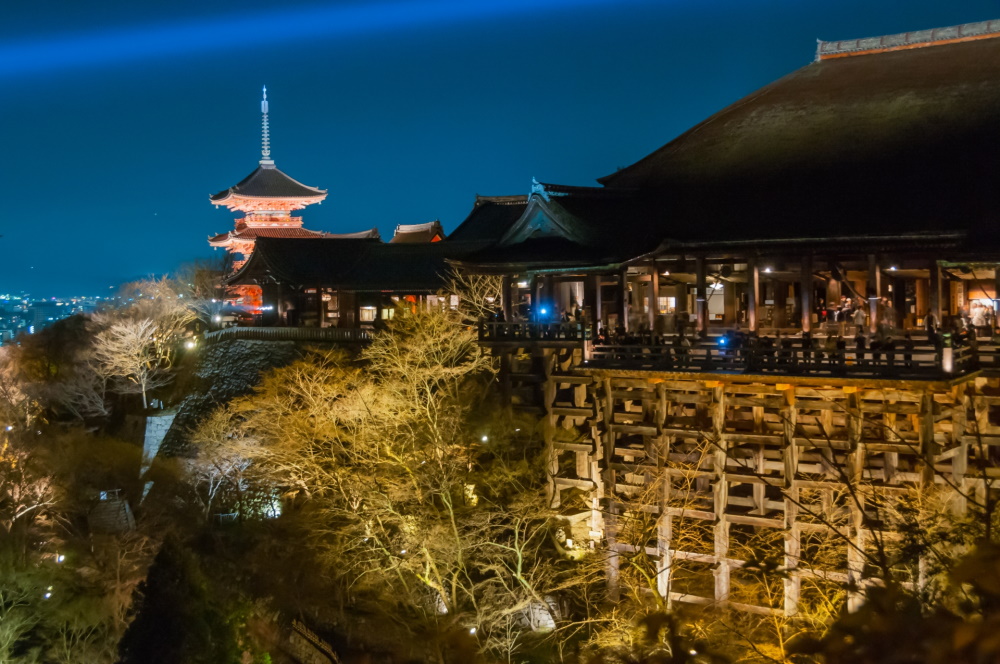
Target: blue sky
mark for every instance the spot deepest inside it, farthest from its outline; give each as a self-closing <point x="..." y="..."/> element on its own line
<point x="120" y="118"/>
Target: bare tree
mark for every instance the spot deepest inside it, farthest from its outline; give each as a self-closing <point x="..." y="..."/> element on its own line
<point x="129" y="352"/>
<point x="479" y="294"/>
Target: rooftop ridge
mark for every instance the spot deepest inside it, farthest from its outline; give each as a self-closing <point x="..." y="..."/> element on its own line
<point x="515" y="199"/>
<point x="413" y="228"/>
<point x="826" y="50"/>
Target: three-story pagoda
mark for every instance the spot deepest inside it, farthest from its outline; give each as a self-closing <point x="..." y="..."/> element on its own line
<point x="267" y="197"/>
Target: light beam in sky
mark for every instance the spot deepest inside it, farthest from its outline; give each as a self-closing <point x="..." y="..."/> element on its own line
<point x="124" y="46"/>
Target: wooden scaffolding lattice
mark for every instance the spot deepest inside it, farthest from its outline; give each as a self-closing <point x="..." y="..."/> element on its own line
<point x="692" y="479"/>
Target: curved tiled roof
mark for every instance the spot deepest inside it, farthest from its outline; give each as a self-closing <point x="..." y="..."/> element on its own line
<point x="266" y="181"/>
<point x="489" y="219"/>
<point x="255" y="232"/>
<point x="429" y="232"/>
<point x="354" y="264"/>
<point x="898" y="141"/>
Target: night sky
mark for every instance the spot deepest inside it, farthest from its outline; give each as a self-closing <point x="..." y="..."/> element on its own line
<point x="120" y="118"/>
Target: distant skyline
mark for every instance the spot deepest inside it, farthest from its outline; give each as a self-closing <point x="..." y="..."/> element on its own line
<point x="121" y="118"/>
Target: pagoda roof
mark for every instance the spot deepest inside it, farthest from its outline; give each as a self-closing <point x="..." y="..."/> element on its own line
<point x="350" y="264"/>
<point x="253" y="233"/>
<point x="412" y="233"/>
<point x="266" y="181"/>
<point x="887" y="135"/>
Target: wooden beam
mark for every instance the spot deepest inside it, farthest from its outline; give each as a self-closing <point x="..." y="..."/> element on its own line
<point x="701" y="293"/>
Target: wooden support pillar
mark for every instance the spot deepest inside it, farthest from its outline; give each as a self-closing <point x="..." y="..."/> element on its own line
<point x="806" y="291"/>
<point x="779" y="290"/>
<point x="874" y="292"/>
<point x="701" y="293"/>
<point x="319" y="307"/>
<point x="592" y="296"/>
<point x="792" y="540"/>
<point x="609" y="479"/>
<point x="622" y="298"/>
<point x="507" y="297"/>
<point x="996" y="294"/>
<point x="664" y="535"/>
<point x="899" y="301"/>
<point x="654" y="296"/>
<point x="934" y="293"/>
<point x="729" y="303"/>
<point x="720" y="494"/>
<point x="535" y="288"/>
<point x="279" y="305"/>
<point x="753" y="288"/>
<point x="929" y="447"/>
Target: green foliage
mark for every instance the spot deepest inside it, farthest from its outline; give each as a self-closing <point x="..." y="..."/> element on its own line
<point x="177" y="620"/>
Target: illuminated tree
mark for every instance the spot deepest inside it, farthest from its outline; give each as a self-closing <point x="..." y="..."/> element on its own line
<point x="128" y="352"/>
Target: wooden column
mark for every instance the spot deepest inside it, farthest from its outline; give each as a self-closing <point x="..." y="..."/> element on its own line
<point x="899" y="301"/>
<point x="729" y="303"/>
<point x="806" y="291"/>
<point x="598" y="302"/>
<point x="934" y="292"/>
<point x="779" y="295"/>
<point x="720" y="494"/>
<point x="507" y="297"/>
<point x="622" y="298"/>
<point x="753" y="288"/>
<point x="874" y="292"/>
<point x="279" y="305"/>
<point x="319" y="307"/>
<point x="996" y="294"/>
<point x="654" y="296"/>
<point x="535" y="286"/>
<point x="701" y="293"/>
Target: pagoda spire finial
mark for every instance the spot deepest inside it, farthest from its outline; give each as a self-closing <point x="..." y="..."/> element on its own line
<point x="265" y="144"/>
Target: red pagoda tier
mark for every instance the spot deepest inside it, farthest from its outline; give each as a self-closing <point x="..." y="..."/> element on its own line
<point x="267" y="198"/>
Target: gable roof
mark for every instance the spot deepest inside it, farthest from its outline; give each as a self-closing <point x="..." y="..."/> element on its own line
<point x="873" y="142"/>
<point x="563" y="225"/>
<point x="491" y="217"/>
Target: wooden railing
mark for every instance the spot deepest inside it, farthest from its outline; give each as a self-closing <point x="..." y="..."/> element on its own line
<point x="490" y="331"/>
<point x="341" y="334"/>
<point x="924" y="362"/>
